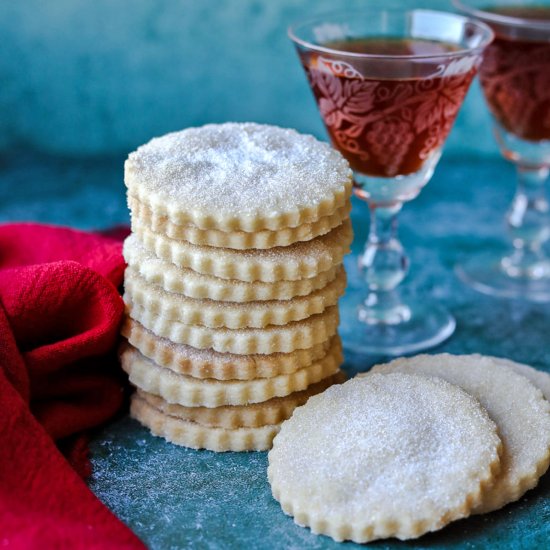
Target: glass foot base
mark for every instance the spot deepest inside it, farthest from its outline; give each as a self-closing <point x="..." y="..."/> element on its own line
<point x="484" y="274"/>
<point x="427" y="326"/>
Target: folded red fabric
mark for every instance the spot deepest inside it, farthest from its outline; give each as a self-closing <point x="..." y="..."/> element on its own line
<point x="60" y="312"/>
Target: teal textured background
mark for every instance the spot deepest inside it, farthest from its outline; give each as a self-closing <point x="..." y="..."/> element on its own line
<point x="83" y="82"/>
<point x="89" y="77"/>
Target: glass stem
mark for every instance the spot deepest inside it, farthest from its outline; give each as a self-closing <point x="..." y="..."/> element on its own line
<point x="529" y="225"/>
<point x="384" y="265"/>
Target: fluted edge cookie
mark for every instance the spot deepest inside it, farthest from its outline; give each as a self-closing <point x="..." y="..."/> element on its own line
<point x="240" y="240"/>
<point x="207" y="363"/>
<point x="252" y="415"/>
<point x="387" y="455"/>
<point x="239" y="177"/>
<point x="300" y="260"/>
<point x="517" y="407"/>
<point x="189" y="434"/>
<point x="302" y="334"/>
<point x="193" y="392"/>
<point x="538" y="378"/>
<point x="196" y="285"/>
<point x="232" y="315"/>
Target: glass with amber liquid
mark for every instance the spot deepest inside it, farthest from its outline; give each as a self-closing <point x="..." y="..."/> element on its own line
<point x="515" y="78"/>
<point x="388" y="85"/>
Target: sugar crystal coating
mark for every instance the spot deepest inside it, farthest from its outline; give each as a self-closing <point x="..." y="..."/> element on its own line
<point x="249" y="170"/>
<point x="229" y="314"/>
<point x="515" y="404"/>
<point x="207" y="363"/>
<point x="297" y="261"/>
<point x="538" y="378"/>
<point x="384" y="455"/>
<point x="196" y="285"/>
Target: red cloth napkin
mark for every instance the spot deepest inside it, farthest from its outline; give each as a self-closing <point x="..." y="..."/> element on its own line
<point x="59" y="317"/>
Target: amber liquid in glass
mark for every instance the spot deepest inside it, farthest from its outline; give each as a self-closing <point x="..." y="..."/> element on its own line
<point x="515" y="76"/>
<point x="386" y="126"/>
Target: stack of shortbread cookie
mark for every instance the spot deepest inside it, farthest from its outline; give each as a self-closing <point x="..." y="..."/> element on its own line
<point x="234" y="273"/>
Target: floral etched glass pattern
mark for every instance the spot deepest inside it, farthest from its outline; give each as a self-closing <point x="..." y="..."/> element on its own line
<point x="388" y="84"/>
<point x="515" y="78"/>
<point x="387" y="127"/>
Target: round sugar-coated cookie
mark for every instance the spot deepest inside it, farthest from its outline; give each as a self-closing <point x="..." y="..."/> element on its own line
<point x="207" y="363"/>
<point x="196" y="285"/>
<point x="240" y="240"/>
<point x="512" y="401"/>
<point x="214" y="314"/>
<point x="205" y="392"/>
<point x="251" y="415"/>
<point x="300" y="260"/>
<point x="302" y="334"/>
<point x="239" y="177"/>
<point x="537" y="377"/>
<point x="190" y="434"/>
<point x="393" y="455"/>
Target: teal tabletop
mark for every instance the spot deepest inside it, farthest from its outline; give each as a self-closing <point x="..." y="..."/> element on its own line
<point x="174" y="497"/>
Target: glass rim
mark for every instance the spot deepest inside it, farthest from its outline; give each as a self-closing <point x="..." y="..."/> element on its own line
<point x="508" y="20"/>
<point x="487" y="39"/>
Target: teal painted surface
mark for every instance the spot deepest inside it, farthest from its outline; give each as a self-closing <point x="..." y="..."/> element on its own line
<point x="179" y="498"/>
<point x="87" y="77"/>
<point x="95" y="78"/>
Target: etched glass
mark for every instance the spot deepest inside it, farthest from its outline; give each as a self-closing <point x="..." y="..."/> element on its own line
<point x="388" y="84"/>
<point x="515" y="78"/>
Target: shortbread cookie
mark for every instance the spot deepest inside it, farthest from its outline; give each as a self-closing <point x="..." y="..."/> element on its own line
<point x="195" y="285"/>
<point x="272" y="339"/>
<point x="214" y="314"/>
<point x="189" y="434"/>
<point x="253" y="415"/>
<point x="240" y="240"/>
<point x="239" y="177"/>
<point x="518" y="408"/>
<point x="284" y="263"/>
<point x="194" y="392"/>
<point x="207" y="363"/>
<point x="389" y="455"/>
<point x="537" y="377"/>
